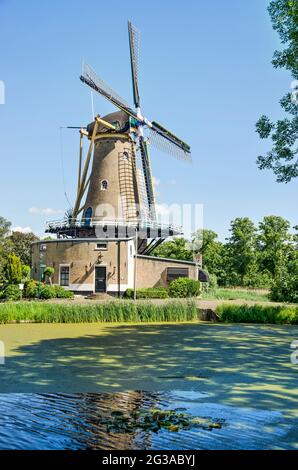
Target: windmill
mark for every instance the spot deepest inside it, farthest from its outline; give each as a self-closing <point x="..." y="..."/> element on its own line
<point x="123" y="132"/>
<point x="161" y="137"/>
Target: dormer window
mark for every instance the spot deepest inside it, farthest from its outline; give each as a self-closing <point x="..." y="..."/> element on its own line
<point x="104" y="185"/>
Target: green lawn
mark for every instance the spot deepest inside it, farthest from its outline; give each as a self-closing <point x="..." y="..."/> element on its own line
<point x="235" y="294"/>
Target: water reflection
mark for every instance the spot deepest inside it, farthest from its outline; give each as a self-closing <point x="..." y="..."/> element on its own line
<point x="79" y="421"/>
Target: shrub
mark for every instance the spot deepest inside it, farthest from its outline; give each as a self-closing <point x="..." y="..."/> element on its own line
<point x="25" y="272"/>
<point x="257" y="314"/>
<point x="285" y="286"/>
<point x="11" y="292"/>
<point x="48" y="273"/>
<point x="148" y="293"/>
<point x="14" y="269"/>
<point x="47" y="292"/>
<point x="31" y="289"/>
<point x="62" y="293"/>
<point x="184" y="287"/>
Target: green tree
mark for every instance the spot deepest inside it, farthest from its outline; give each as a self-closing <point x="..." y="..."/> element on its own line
<point x="241" y="248"/>
<point x="178" y="248"/>
<point x="4" y="246"/>
<point x="274" y="244"/>
<point x="21" y="245"/>
<point x="48" y="273"/>
<point x="285" y="285"/>
<point x="14" y="269"/>
<point x="213" y="253"/>
<point x="282" y="158"/>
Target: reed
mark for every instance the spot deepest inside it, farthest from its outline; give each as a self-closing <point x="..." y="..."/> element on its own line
<point x="258" y="314"/>
<point x="121" y="311"/>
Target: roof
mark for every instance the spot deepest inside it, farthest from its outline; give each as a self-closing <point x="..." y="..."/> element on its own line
<point x="167" y="260"/>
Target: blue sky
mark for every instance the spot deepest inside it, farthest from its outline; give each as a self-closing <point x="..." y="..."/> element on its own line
<point x="205" y="74"/>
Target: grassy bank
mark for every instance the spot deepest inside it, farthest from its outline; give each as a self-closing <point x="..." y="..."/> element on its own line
<point x="123" y="311"/>
<point x="257" y="314"/>
<point x="236" y="294"/>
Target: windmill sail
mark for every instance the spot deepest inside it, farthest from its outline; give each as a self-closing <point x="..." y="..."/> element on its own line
<point x="147" y="177"/>
<point x="168" y="142"/>
<point x="134" y="46"/>
<point x="90" y="77"/>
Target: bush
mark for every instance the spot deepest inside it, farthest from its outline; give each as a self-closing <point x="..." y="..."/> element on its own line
<point x="31" y="289"/>
<point x="48" y="273"/>
<point x="184" y="287"/>
<point x="11" y="292"/>
<point x="62" y="293"/>
<point x="47" y="292"/>
<point x="209" y="286"/>
<point x="14" y="269"/>
<point x="285" y="286"/>
<point x="148" y="293"/>
<point x="25" y="273"/>
<point x="257" y="314"/>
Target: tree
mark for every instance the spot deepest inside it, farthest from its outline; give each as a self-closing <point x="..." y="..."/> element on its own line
<point x="4" y="246"/>
<point x="14" y="269"/>
<point x="282" y="158"/>
<point x="242" y="249"/>
<point x="4" y="227"/>
<point x="274" y="244"/>
<point x="285" y="285"/>
<point x="213" y="253"/>
<point x="48" y="273"/>
<point x="175" y="249"/>
<point x="21" y="245"/>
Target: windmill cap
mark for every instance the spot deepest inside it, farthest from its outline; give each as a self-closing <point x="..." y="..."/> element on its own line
<point x="119" y="119"/>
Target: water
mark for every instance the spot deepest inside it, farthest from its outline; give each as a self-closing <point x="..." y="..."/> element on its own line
<point x="79" y="421"/>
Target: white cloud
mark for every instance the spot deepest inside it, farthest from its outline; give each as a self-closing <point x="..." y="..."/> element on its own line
<point x="44" y="211"/>
<point x="22" y="229"/>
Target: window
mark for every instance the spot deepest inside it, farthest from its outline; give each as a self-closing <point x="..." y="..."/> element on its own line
<point x="101" y="246"/>
<point x="104" y="185"/>
<point x="125" y="155"/>
<point x="64" y="276"/>
<point x="116" y="124"/>
<point x="174" y="273"/>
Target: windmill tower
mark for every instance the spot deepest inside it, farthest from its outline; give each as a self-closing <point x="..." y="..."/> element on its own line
<point x="115" y="186"/>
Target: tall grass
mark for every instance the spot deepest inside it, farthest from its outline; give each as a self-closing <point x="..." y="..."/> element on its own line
<point x="124" y="311"/>
<point x="257" y="314"/>
<point x="235" y="294"/>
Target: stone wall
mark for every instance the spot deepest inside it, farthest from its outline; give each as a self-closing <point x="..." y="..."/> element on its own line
<point x="152" y="272"/>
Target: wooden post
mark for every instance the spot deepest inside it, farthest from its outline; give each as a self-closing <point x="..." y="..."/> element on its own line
<point x="82" y="187"/>
<point x="80" y="160"/>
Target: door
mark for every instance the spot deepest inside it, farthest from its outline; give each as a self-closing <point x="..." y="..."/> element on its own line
<point x="100" y="279"/>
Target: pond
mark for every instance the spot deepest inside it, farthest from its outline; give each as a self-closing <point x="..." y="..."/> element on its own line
<point x="155" y="386"/>
<point x="128" y="421"/>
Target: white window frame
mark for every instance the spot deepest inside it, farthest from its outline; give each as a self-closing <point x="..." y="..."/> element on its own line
<point x="103" y="248"/>
<point x="64" y="266"/>
<point x="101" y="185"/>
